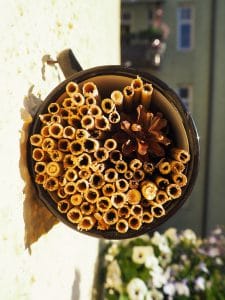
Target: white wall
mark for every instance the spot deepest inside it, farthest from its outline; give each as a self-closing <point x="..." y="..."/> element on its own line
<point x="61" y="263"/>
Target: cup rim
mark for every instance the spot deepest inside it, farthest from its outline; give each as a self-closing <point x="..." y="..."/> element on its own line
<point x="171" y="96"/>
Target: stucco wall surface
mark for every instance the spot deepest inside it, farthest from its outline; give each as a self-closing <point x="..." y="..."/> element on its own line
<point x="60" y="264"/>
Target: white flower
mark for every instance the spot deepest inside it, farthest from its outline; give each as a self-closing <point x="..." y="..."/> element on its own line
<point x="169" y="289"/>
<point x="151" y="262"/>
<point x="189" y="236"/>
<point x="158" y="239"/>
<point x="161" y="241"/>
<point x="219" y="261"/>
<point x="113" y="276"/>
<point x="200" y="284"/>
<point x="141" y="253"/>
<point x="171" y="234"/>
<point x="136" y="289"/>
<point x="165" y="259"/>
<point x="182" y="289"/>
<point x="217" y="231"/>
<point x="213" y="252"/>
<point x="158" y="277"/>
<point x="202" y="266"/>
<point x="154" y="295"/>
<point x="113" y="250"/>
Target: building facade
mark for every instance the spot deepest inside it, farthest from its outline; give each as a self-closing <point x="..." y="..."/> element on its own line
<point x="192" y="64"/>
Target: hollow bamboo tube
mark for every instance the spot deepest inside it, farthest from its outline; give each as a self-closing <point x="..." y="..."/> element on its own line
<point x="51" y="184"/>
<point x="87" y="208"/>
<point x="122" y="226"/>
<point x="101" y="154"/>
<point x="181" y="155"/>
<point x="103" y="204"/>
<point x="121" y="166"/>
<point x="82" y="185"/>
<point x="69" y="132"/>
<point x="91" y="195"/>
<point x="40" y="167"/>
<point x="72" y="88"/>
<point x="96" y="180"/>
<point x="70" y="188"/>
<point x="74" y="215"/>
<point x="118" y="199"/>
<point x="56" y="155"/>
<point x="147" y="217"/>
<point x="87" y="122"/>
<point x="134" y="222"/>
<point x="107" y="105"/>
<point x="128" y="93"/>
<point x="78" y="99"/>
<point x="174" y="190"/>
<point x="69" y="161"/>
<point x="135" y="164"/>
<point x="63" y="206"/>
<point x="122" y="185"/>
<point x="102" y="123"/>
<point x="164" y="167"/>
<point x="56" y="130"/>
<point x="162" y="197"/>
<point x="86" y="223"/>
<point x="36" y="140"/>
<point x="114" y="117"/>
<point x="158" y="211"/>
<point x="76" y="147"/>
<point x="68" y="103"/>
<point x="136" y="210"/>
<point x="117" y="98"/>
<point x="95" y="110"/>
<point x="124" y="211"/>
<point x="49" y="144"/>
<point x="90" y="89"/>
<point x="161" y="182"/>
<point x="180" y="179"/>
<point x="146" y="95"/>
<point x="110" y="216"/>
<point x="40" y="178"/>
<point x="53" y="108"/>
<point x="45" y="118"/>
<point x="137" y="85"/>
<point x="84" y="161"/>
<point x="45" y="131"/>
<point x="39" y="154"/>
<point x="111" y="175"/>
<point x="110" y="144"/>
<point x="108" y="189"/>
<point x="71" y="174"/>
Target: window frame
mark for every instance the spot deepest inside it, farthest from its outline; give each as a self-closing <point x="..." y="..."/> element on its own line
<point x="182" y="21"/>
<point x="187" y="102"/>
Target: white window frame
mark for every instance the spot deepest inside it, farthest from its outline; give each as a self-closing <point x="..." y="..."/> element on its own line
<point x="185" y="21"/>
<point x="188" y="102"/>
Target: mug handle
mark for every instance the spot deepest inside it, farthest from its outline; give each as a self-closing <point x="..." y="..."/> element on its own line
<point x="68" y="63"/>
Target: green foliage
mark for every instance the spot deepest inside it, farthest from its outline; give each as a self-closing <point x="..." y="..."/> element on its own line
<point x="180" y="265"/>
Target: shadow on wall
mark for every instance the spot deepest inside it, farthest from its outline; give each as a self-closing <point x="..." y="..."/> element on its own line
<point x="38" y="220"/>
<point x="76" y="286"/>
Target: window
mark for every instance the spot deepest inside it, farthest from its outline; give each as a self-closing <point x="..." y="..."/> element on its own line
<point x="184" y="28"/>
<point x="185" y="94"/>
